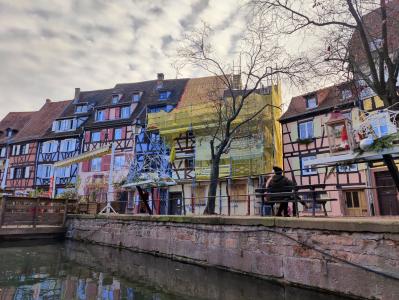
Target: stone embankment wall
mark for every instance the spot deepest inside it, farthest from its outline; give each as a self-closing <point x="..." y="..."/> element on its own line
<point x="348" y="256"/>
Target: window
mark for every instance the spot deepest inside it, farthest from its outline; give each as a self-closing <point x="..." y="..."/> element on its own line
<point x="311" y="101"/>
<point x="115" y="99"/>
<point x="307" y="170"/>
<point x="16" y="150"/>
<point x="95" y="164"/>
<point x="305" y="130"/>
<point x="136" y="97"/>
<point x="63" y="172"/>
<point x="156" y="109"/>
<point x="118" y="134"/>
<point x="376" y="44"/>
<point x="352" y="199"/>
<point x="95" y="136"/>
<point x="49" y="147"/>
<point x="3" y="152"/>
<point x="66" y="125"/>
<point x="347" y="168"/>
<point x="44" y="171"/>
<point x="346" y="94"/>
<point x="164" y="95"/>
<point x="19" y="172"/>
<point x="100" y="116"/>
<point x="9" y="132"/>
<point x="119" y="162"/>
<point x="125" y="112"/>
<point x="68" y="145"/>
<point x="81" y="108"/>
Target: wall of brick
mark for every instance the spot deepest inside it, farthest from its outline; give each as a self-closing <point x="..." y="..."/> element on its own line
<point x="264" y="247"/>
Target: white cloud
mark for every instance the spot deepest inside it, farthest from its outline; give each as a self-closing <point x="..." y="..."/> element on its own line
<point x="47" y="48"/>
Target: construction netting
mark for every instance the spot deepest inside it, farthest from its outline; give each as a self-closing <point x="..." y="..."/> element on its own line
<point x="256" y="147"/>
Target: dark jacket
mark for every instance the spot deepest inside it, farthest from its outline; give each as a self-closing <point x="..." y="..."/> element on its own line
<point x="278" y="184"/>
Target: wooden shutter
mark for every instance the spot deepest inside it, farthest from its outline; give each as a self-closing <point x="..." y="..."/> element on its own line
<point x="27" y="172"/>
<point x="102" y="134"/>
<point x="117" y="113"/>
<point x="123" y="133"/>
<point x="106" y="114"/>
<point x="87" y="136"/>
<point x="105" y="163"/>
<point x="110" y="134"/>
<point x="86" y="166"/>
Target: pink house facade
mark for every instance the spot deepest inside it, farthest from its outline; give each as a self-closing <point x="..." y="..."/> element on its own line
<point x="305" y="138"/>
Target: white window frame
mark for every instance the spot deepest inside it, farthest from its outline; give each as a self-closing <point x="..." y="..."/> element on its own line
<point x="95" y="164"/>
<point x="68" y="145"/>
<point x="117" y="136"/>
<point x="81" y="108"/>
<point x="310" y="99"/>
<point x="309" y="130"/>
<point x="3" y="152"/>
<point x="123" y="112"/>
<point x="100" y="115"/>
<point x="93" y="134"/>
<point x="136" y="97"/>
<point x="308" y="170"/>
<point x="119" y="162"/>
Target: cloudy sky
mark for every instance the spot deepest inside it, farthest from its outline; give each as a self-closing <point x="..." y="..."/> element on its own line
<point x="49" y="47"/>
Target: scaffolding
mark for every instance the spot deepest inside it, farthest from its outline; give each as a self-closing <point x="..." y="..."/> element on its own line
<point x="255" y="149"/>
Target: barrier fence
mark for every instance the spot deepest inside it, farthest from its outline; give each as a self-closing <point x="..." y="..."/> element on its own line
<point x="25" y="211"/>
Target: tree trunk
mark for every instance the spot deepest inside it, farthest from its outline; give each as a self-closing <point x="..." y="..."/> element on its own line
<point x="213" y="185"/>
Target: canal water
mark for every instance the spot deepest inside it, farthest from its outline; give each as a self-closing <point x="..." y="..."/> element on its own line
<point x="72" y="270"/>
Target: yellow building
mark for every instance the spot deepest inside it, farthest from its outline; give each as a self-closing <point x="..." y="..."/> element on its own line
<point x="188" y="129"/>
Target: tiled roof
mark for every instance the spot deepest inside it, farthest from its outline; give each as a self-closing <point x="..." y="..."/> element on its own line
<point x="327" y="98"/>
<point x="202" y="89"/>
<point x="372" y="23"/>
<point x="15" y="121"/>
<point x="150" y="97"/>
<point x="41" y="121"/>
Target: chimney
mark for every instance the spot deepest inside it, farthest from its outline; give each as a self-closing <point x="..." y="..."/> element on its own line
<point x="48" y="101"/>
<point x="160" y="78"/>
<point x="77" y="94"/>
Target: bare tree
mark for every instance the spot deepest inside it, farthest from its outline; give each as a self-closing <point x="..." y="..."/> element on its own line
<point x="357" y="39"/>
<point x="260" y="58"/>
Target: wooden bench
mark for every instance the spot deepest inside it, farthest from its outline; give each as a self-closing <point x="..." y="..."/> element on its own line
<point x="294" y="197"/>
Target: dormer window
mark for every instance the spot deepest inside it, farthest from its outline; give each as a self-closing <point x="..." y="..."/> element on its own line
<point x="311" y="101"/>
<point x="136" y="97"/>
<point x="346" y="94"/>
<point x="115" y="98"/>
<point x="81" y="108"/>
<point x="125" y="112"/>
<point x="100" y="116"/>
<point x="164" y="95"/>
<point x="9" y="132"/>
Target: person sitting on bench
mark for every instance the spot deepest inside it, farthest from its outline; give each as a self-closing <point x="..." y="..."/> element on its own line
<point x="278" y="184"/>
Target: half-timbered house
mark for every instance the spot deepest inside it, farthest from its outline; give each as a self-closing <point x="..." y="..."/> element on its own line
<point x="118" y="117"/>
<point x="188" y="130"/>
<point x="62" y="141"/>
<point x="305" y="138"/>
<point x="11" y="124"/>
<point x="23" y="148"/>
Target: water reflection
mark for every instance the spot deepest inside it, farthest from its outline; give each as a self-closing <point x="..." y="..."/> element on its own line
<point x="79" y="271"/>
